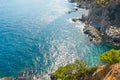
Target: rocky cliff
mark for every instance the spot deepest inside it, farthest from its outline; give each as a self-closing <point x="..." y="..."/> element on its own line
<point x="106" y="19"/>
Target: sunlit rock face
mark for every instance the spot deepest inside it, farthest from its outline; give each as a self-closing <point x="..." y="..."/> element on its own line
<point x="107" y="72"/>
<point x="101" y="72"/>
<point x="106" y="20"/>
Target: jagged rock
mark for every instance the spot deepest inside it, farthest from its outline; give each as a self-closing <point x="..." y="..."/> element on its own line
<point x="83" y="4"/>
<point x="83" y="18"/>
<point x="114" y="73"/>
<point x="93" y="34"/>
<point x="75" y="19"/>
<point x="107" y="72"/>
<point x="103" y="18"/>
<point x="113" y="34"/>
<point x="101" y="72"/>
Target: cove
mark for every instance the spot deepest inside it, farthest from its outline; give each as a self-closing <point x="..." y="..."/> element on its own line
<point x="37" y="35"/>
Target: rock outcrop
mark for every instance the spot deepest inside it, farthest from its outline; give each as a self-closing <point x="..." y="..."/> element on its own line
<point x="101" y="72"/>
<point x="107" y="72"/>
<point x="106" y="20"/>
<point x="114" y="73"/>
<point x="113" y="34"/>
<point x="93" y="34"/>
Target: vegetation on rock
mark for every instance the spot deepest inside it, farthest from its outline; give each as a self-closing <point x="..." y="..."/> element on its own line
<point x="74" y="71"/>
<point x="80" y="71"/>
<point x="102" y="3"/>
<point x="111" y="57"/>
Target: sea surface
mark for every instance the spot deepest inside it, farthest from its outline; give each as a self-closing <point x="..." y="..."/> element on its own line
<point x="38" y="35"/>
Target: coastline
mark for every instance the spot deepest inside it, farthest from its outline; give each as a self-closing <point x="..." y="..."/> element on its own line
<point x="93" y="34"/>
<point x="98" y="18"/>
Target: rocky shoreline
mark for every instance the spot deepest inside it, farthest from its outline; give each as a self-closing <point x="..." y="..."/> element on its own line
<point x="100" y="24"/>
<point x="103" y="23"/>
<point x="93" y="34"/>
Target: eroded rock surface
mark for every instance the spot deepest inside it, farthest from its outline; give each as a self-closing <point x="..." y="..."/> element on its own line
<point x="107" y="72"/>
<point x="93" y="34"/>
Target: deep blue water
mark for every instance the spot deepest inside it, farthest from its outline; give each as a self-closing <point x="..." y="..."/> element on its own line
<point x="36" y="34"/>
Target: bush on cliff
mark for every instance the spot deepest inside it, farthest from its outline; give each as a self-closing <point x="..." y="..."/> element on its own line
<point x="74" y="71"/>
<point x="111" y="57"/>
<point x="102" y="3"/>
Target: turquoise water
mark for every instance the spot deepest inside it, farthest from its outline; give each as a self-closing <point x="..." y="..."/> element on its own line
<point x="38" y="35"/>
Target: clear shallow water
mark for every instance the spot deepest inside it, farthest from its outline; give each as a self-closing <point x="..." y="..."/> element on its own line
<point x="37" y="35"/>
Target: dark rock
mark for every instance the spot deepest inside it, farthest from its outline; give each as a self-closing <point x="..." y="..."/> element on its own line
<point x="87" y="31"/>
<point x="75" y="19"/>
<point x="84" y="5"/>
<point x="93" y="34"/>
<point x="71" y="1"/>
<point x="102" y="18"/>
<point x="52" y="77"/>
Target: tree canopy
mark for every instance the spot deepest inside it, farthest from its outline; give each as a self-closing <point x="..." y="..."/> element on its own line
<point x="74" y="71"/>
<point x="110" y="57"/>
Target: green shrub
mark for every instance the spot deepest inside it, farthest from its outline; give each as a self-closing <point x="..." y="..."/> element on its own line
<point x="73" y="71"/>
<point x="111" y="57"/>
<point x="103" y="3"/>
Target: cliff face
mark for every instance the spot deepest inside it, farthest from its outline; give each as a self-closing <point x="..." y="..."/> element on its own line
<point x="106" y="20"/>
<point x="104" y="17"/>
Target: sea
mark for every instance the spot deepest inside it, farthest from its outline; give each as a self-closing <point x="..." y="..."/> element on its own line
<point x="39" y="35"/>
